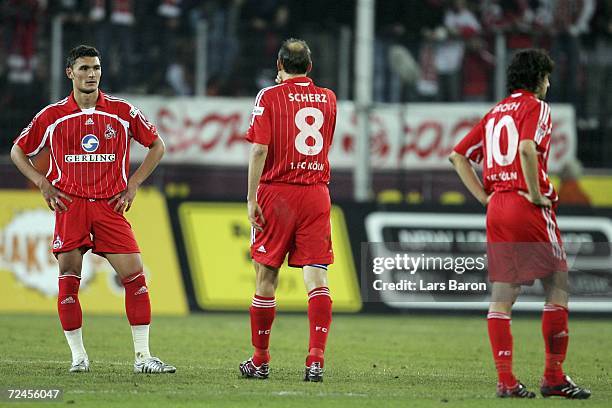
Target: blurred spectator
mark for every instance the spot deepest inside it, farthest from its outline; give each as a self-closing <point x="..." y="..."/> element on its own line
<point x="149" y="47"/>
<point x="514" y="18"/>
<point x="160" y="31"/>
<point x="74" y="17"/>
<point x="19" y="102"/>
<point x="400" y="26"/>
<point x="570" y="21"/>
<point x="390" y="30"/>
<point x="405" y="69"/>
<point x="20" y="19"/>
<point x="337" y="13"/>
<point x="570" y="191"/>
<point x="22" y="90"/>
<point x="173" y="57"/>
<point x="113" y="22"/>
<point x="598" y="104"/>
<point x="180" y="75"/>
<point x="427" y="85"/>
<point x="431" y="29"/>
<point x="222" y="46"/>
<point x="478" y="64"/>
<point x="459" y="23"/>
<point x="266" y="25"/>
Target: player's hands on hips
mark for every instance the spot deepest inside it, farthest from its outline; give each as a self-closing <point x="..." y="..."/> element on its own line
<point x="123" y="201"/>
<point x="488" y="199"/>
<point x="540" y="201"/>
<point x="53" y="196"/>
<point x="256" y="217"/>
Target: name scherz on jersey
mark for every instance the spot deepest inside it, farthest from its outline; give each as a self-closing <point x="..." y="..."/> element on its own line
<point x="296" y="119"/>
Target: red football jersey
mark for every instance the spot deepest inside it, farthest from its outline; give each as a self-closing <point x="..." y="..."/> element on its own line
<point x="495" y="139"/>
<point x="296" y="119"/>
<point x="90" y="148"/>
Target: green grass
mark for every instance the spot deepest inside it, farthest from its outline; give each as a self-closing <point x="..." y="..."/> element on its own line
<point x="371" y="361"/>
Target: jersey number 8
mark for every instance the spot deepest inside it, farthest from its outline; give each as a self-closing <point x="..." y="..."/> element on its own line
<point x="493" y="135"/>
<point x="308" y="130"/>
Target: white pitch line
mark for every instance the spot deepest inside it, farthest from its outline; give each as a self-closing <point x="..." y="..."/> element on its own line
<point x="319" y="394"/>
<point x="61" y="362"/>
<point x="113" y="391"/>
<point x="94" y="363"/>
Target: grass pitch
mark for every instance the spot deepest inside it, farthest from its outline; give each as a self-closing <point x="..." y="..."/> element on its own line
<point x="379" y="361"/>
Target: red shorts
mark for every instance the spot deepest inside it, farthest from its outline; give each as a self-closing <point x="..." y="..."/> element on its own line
<point x="523" y="240"/>
<point x="93" y="224"/>
<point x="297" y="222"/>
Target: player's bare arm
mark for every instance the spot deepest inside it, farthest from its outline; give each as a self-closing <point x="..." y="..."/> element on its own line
<point x="529" y="165"/>
<point x="257" y="160"/>
<point x="123" y="201"/>
<point x="52" y="195"/>
<point x="469" y="177"/>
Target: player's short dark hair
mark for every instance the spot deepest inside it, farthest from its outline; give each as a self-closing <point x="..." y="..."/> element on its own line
<point x="528" y="68"/>
<point x="81" y="51"/>
<point x="294" y="55"/>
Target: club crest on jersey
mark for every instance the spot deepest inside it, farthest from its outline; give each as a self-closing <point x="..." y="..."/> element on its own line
<point x="58" y="243"/>
<point x="109" y="133"/>
<point x="90" y="143"/>
<point x="542" y="129"/>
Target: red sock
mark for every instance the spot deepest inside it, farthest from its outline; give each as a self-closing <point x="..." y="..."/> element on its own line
<point x="68" y="306"/>
<point x="137" y="303"/>
<point x="501" y="345"/>
<point x="262" y="310"/>
<point x="556" y="338"/>
<point x="320" y="317"/>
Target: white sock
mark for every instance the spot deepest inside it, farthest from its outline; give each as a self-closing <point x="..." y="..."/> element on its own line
<point x="140" y="335"/>
<point x="75" y="341"/>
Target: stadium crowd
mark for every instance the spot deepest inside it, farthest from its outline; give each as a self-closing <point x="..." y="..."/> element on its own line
<point x="425" y="50"/>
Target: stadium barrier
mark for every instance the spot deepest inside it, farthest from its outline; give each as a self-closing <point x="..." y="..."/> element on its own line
<point x="213" y="237"/>
<point x="216" y="239"/>
<point x="196" y="257"/>
<point x="28" y="270"/>
<point x="457" y="233"/>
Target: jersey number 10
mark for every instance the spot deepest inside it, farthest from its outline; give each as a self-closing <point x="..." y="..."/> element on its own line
<point x="308" y="130"/>
<point x="493" y="135"/>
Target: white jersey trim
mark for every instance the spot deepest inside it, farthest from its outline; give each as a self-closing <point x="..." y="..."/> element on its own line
<point x="40" y="146"/>
<point x="542" y="121"/>
<point x="469" y="151"/>
<point x="26" y="131"/>
<point x="551" y="188"/>
<point x="125" y="152"/>
<point x="258" y="98"/>
<point x="552" y="236"/>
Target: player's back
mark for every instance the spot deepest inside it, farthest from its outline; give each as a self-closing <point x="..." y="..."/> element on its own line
<point x="296" y="119"/>
<point x="520" y="116"/>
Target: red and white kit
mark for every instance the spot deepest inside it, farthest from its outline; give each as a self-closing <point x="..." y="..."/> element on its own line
<point x="90" y="162"/>
<point x="511" y="218"/>
<point x="296" y="120"/>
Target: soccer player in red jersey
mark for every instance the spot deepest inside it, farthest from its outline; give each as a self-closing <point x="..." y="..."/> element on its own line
<point x="524" y="242"/>
<point x="87" y="185"/>
<point x="291" y="130"/>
